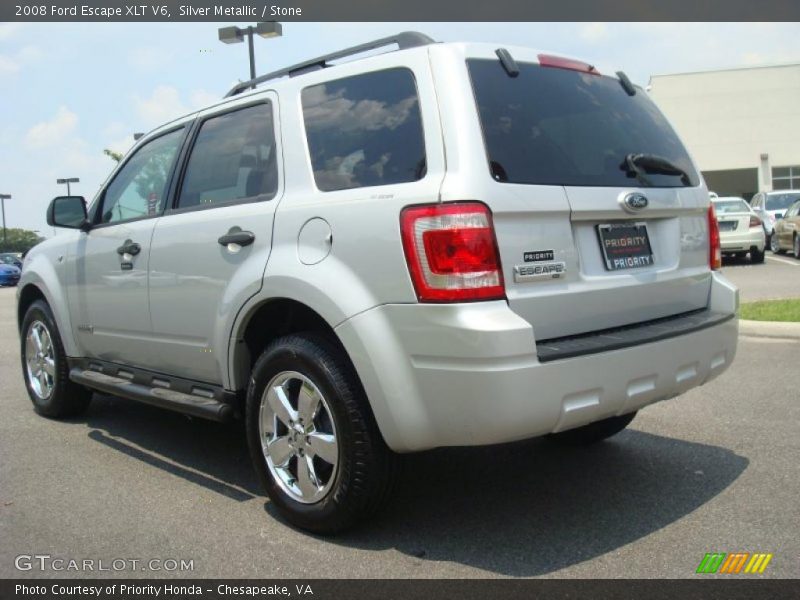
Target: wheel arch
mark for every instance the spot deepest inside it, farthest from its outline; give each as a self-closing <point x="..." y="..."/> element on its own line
<point x="265" y="321"/>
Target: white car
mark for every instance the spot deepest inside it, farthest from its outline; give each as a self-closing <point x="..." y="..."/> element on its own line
<point x="741" y="230"/>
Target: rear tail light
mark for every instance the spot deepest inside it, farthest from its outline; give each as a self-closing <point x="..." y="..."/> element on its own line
<point x="559" y="62"/>
<point x="755" y="221"/>
<point x="714" y="248"/>
<point x="451" y="252"/>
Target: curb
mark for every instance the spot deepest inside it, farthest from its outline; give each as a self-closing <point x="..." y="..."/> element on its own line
<point x="771" y="329"/>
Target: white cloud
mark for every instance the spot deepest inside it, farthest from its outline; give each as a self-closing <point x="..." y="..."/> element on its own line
<point x="165" y="104"/>
<point x="162" y="105"/>
<point x="8" y="65"/>
<point x="147" y="58"/>
<point x="54" y="131"/>
<point x="7" y="30"/>
<point x="13" y="63"/>
<point x="594" y="32"/>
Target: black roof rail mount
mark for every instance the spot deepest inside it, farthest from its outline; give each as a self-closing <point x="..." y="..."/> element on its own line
<point x="404" y="40"/>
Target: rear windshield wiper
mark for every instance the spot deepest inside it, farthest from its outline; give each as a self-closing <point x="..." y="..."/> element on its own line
<point x="639" y="164"/>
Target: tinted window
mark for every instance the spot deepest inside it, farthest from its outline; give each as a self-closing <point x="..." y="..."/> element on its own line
<point x="561" y="127"/>
<point x="233" y="158"/>
<point x="781" y="201"/>
<point x="139" y="189"/>
<point x="365" y="130"/>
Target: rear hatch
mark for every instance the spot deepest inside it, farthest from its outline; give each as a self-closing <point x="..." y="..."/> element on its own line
<point x="594" y="231"/>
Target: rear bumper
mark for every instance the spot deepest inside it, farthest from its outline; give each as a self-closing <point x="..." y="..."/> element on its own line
<point x="469" y="374"/>
<point x="744" y="241"/>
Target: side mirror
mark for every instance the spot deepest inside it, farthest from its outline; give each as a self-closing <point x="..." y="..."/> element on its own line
<point x="778" y="216"/>
<point x="69" y="212"/>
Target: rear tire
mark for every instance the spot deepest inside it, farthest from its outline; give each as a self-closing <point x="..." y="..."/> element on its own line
<point x="593" y="432"/>
<point x="796" y="246"/>
<point x="756" y="256"/>
<point x="304" y="393"/>
<point x="45" y="368"/>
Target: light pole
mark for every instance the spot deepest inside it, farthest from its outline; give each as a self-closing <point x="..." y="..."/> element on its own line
<point x="235" y="35"/>
<point x="68" y="181"/>
<point x="3" y="198"/>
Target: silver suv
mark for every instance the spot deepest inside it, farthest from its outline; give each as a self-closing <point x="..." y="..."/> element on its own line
<point x="440" y="245"/>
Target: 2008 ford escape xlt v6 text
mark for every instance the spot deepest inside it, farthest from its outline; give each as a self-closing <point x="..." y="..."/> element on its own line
<point x="441" y="245"/>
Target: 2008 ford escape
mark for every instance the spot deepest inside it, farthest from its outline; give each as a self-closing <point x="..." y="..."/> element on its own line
<point x="446" y="244"/>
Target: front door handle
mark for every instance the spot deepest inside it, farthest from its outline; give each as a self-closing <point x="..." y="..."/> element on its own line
<point x="129" y="247"/>
<point x="236" y="236"/>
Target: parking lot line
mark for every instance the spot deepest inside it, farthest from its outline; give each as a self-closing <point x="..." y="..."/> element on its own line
<point x="794" y="263"/>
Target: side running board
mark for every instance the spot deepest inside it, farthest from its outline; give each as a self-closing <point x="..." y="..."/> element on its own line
<point x="158" y="393"/>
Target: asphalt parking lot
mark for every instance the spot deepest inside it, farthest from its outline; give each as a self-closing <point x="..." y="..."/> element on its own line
<point x="715" y="470"/>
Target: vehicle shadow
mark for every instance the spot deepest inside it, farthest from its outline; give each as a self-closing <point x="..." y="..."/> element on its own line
<point x="209" y="454"/>
<point x="522" y="509"/>
<point x="534" y="507"/>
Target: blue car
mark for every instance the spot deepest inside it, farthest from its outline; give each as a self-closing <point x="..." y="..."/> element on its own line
<point x="9" y="274"/>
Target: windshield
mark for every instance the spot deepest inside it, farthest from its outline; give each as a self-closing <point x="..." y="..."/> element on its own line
<point x="554" y="126"/>
<point x="781" y="201"/>
<point x="731" y="206"/>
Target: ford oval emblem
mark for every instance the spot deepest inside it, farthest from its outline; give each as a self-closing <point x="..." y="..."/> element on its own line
<point x="634" y="202"/>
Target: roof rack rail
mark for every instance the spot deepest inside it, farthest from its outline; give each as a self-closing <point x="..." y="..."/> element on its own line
<point x="405" y="39"/>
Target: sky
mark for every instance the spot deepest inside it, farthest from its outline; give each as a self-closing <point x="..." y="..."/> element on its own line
<point x="67" y="91"/>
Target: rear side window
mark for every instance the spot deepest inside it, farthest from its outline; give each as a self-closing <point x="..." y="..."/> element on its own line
<point x="233" y="159"/>
<point x="554" y="126"/>
<point x="365" y="130"/>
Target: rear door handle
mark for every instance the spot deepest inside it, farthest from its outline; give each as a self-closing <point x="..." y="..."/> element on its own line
<point x="129" y="247"/>
<point x="238" y="237"/>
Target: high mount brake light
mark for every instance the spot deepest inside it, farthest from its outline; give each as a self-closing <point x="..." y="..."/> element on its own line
<point x="451" y="252"/>
<point x="714" y="247"/>
<point x="559" y="62"/>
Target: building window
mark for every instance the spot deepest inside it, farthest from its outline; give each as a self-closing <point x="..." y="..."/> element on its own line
<point x="786" y="178"/>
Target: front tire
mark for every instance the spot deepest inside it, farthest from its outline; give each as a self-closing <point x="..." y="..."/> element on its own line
<point x="593" y="432"/>
<point x="313" y="440"/>
<point x="45" y="368"/>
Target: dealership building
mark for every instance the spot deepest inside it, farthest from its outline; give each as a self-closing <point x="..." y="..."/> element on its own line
<point x="742" y="126"/>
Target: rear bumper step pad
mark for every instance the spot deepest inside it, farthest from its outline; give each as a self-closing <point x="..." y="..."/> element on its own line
<point x="629" y="335"/>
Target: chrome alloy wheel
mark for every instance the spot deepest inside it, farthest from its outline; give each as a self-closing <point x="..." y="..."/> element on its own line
<point x="298" y="437"/>
<point x="40" y="360"/>
<point x="773" y="243"/>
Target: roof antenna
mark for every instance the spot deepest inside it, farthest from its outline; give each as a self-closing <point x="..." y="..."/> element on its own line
<point x="626" y="84"/>
<point x="508" y="62"/>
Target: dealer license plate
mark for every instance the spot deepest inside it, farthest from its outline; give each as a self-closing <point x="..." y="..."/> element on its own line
<point x="625" y="246"/>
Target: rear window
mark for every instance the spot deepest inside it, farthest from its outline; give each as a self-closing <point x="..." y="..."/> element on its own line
<point x="781" y="201"/>
<point x="365" y="130"/>
<point x="552" y="126"/>
<point x="731" y="206"/>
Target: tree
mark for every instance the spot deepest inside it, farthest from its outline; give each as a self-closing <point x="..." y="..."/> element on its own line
<point x="19" y="240"/>
<point x="115" y="156"/>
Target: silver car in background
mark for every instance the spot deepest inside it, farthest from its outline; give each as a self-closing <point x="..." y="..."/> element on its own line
<point x="741" y="230"/>
<point x="772" y="206"/>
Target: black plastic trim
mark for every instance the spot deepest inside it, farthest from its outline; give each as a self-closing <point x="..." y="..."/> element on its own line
<point x="628" y="336"/>
<point x="194" y="398"/>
